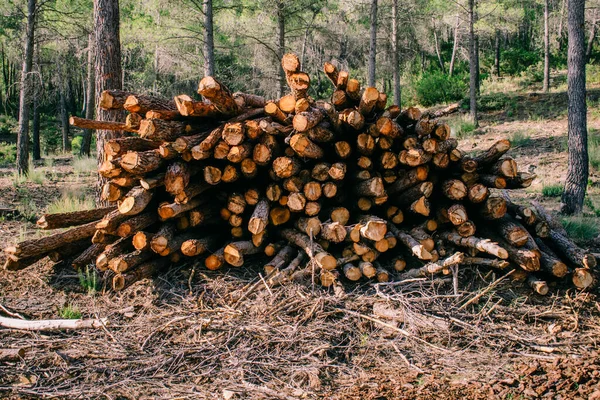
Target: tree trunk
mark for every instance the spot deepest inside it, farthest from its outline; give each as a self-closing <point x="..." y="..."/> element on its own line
<point x="90" y="97"/>
<point x="497" y="54"/>
<point x="63" y="107"/>
<point x="472" y="65"/>
<point x="560" y="25"/>
<point x="437" y="47"/>
<point x="577" y="172"/>
<point x="373" y="44"/>
<point x="25" y="94"/>
<point x="454" y="45"/>
<point x="281" y="45"/>
<point x="108" y="69"/>
<point x="546" y="85"/>
<point x="37" y="92"/>
<point x="477" y="64"/>
<point x="209" y="45"/>
<point x="395" y="55"/>
<point x="592" y="36"/>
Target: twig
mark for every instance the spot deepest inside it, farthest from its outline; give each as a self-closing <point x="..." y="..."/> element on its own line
<point x="490" y="287"/>
<point x="161" y="328"/>
<point x="10" y="313"/>
<point x="403" y="357"/>
<point x="265" y="283"/>
<point x="51" y="324"/>
<point x="394" y="328"/>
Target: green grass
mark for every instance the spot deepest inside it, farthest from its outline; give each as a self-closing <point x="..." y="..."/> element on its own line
<point x="8" y="154"/>
<point x="34" y="175"/>
<point x="462" y="126"/>
<point x="520" y="139"/>
<point x="71" y="201"/>
<point x="85" y="165"/>
<point x="582" y="227"/>
<point x="552" y="190"/>
<point x="69" y="311"/>
<point x="89" y="280"/>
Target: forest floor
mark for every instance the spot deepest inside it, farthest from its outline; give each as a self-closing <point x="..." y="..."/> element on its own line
<point x="182" y="336"/>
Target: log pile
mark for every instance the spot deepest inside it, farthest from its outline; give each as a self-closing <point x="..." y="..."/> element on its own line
<point x="338" y="190"/>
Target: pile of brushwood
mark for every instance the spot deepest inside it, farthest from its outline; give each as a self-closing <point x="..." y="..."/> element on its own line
<point x="338" y="190"/>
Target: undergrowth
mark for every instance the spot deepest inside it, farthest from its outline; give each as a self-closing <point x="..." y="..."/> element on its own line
<point x="581" y="227"/>
<point x="71" y="200"/>
<point x="69" y="311"/>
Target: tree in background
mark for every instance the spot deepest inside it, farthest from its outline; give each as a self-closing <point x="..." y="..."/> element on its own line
<point x="395" y="55"/>
<point x="372" y="44"/>
<point x="25" y="94"/>
<point x="108" y="67"/>
<point x="473" y="65"/>
<point x="90" y="96"/>
<point x="209" y="42"/>
<point x="546" y="84"/>
<point x="577" y="170"/>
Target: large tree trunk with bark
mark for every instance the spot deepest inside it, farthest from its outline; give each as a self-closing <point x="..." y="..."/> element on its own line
<point x="90" y="97"/>
<point x="108" y="70"/>
<point x="373" y="44"/>
<point x="209" y="43"/>
<point x="497" y="54"/>
<point x="281" y="44"/>
<point x="25" y="94"/>
<point x="578" y="169"/>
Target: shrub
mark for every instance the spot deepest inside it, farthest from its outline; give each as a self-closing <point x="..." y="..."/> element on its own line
<point x="88" y="280"/>
<point x="436" y="87"/>
<point x="520" y="139"/>
<point x="462" y="127"/>
<point x="76" y="145"/>
<point x="8" y="125"/>
<point x="8" y="154"/>
<point x="515" y="60"/>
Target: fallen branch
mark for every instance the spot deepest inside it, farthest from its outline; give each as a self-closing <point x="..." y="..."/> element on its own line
<point x="51" y="324"/>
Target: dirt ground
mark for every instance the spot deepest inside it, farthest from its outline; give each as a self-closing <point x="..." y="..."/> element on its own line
<point x="186" y="334"/>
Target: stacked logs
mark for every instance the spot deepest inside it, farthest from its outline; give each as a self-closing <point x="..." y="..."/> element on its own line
<point x="335" y="190"/>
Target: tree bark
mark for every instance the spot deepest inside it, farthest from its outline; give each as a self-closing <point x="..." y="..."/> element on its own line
<point x="37" y="93"/>
<point x="578" y="169"/>
<point x="108" y="71"/>
<point x="25" y="93"/>
<point x="472" y="65"/>
<point x="90" y="97"/>
<point x="395" y="55"/>
<point x="281" y="45"/>
<point x="63" y="107"/>
<point x="546" y="84"/>
<point x="437" y="47"/>
<point x="454" y="46"/>
<point x="373" y="44"/>
<point x="497" y="54"/>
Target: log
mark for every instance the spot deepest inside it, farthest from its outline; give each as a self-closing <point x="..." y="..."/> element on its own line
<point x="314" y="251"/>
<point x="135" y="201"/>
<point x="493" y="208"/>
<point x="352" y="272"/>
<point x="99" y="125"/>
<point x="216" y="260"/>
<point x="153" y="181"/>
<point x="161" y="130"/>
<point x="486" y="262"/>
<point x="582" y="278"/>
<point x="247" y="100"/>
<point x="281" y="259"/>
<point x="140" y="163"/>
<point x="539" y="286"/>
<point x="484" y="245"/>
<point x="141" y="240"/>
<point x="368" y="101"/>
<point x="260" y="217"/>
<point x="52" y="324"/>
<point x="188" y="107"/>
<point x="570" y="251"/>
<point x="414" y="246"/>
<point x="178" y="176"/>
<point x="75" y="218"/>
<point x="549" y="261"/>
<point x="333" y="232"/>
<point x="487" y="158"/>
<point x="111" y="251"/>
<point x="454" y="189"/>
<point x="197" y="246"/>
<point x="88" y="256"/>
<point x="145" y="270"/>
<point x="234" y="252"/>
<point x="513" y="232"/>
<point x="161" y="239"/>
<point x="433" y="268"/>
<point x="127" y="262"/>
<point x="35" y="247"/>
<point x="304" y="147"/>
<point x="119" y="146"/>
<point x="113" y="99"/>
<point x="218" y="95"/>
<point x="137" y="223"/>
